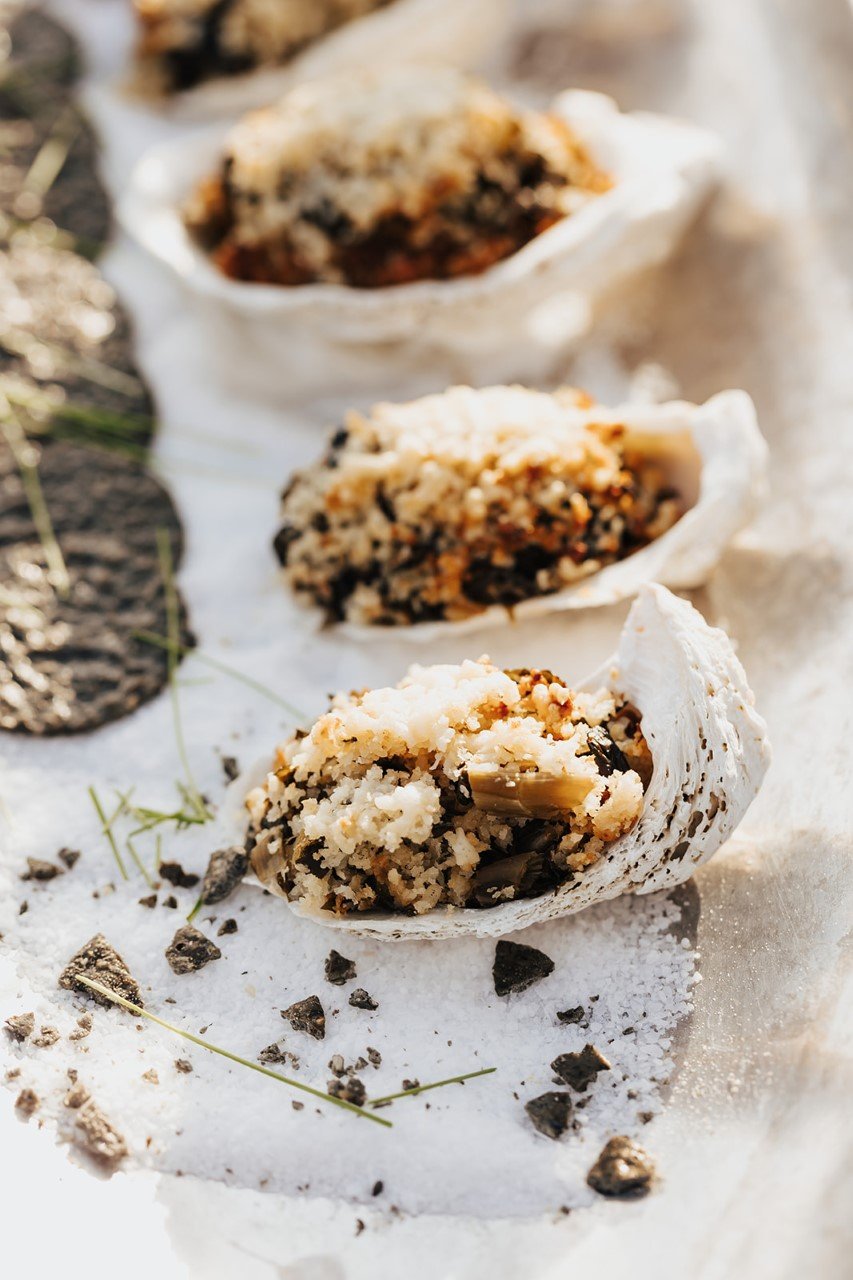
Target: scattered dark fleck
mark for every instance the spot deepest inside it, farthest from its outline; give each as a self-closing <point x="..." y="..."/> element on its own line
<point x="175" y="874"/>
<point x="409" y="1085"/>
<point x="150" y="901"/>
<point x="37" y="869"/>
<point x="550" y="1113"/>
<point x="350" y="1090"/>
<point x="227" y="926"/>
<point x="183" y="1065"/>
<point x="297" y="1106"/>
<point x="69" y="856"/>
<point x="23" y="908"/>
<point x="230" y="767"/>
<point x="225" y="870"/>
<point x="361" y="1000"/>
<point x="622" y="1169"/>
<point x="84" y="1026"/>
<point x="517" y="967"/>
<point x="359" y="1226"/>
<point x="308" y="1016"/>
<point x="627" y="1031"/>
<point x="27" y="1102"/>
<point x="20" y="1026"/>
<point x="171" y="902"/>
<point x="101" y="963"/>
<point x="571" y="1015"/>
<point x="338" y="969"/>
<point x="645" y="1117"/>
<point x="190" y="950"/>
<point x="46" y="1037"/>
<point x="378" y="1188"/>
<point x="374" y="1057"/>
<point x="580" y="1069"/>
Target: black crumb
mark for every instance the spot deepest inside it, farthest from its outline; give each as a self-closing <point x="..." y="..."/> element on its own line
<point x="20" y="1026"/>
<point x="171" y="902"/>
<point x="550" y="1113"/>
<point x="339" y="970"/>
<point x="580" y="1069"/>
<point x="378" y="1188"/>
<point x="69" y="856"/>
<point x="38" y="869"/>
<point x="408" y="1085"/>
<point x="308" y="1016"/>
<point x="622" y="1169"/>
<point x="150" y="901"/>
<point x="571" y="1015"/>
<point x="361" y="1000"/>
<point x="230" y="767"/>
<point x="351" y="1090"/>
<point x="27" y="1102"/>
<point x="23" y="908"/>
<point x="183" y="1065"/>
<point x="227" y="926"/>
<point x="190" y="950"/>
<point x="274" y="1054"/>
<point x="517" y="967"/>
<point x="225" y="870"/>
<point x="175" y="874"/>
<point x="100" y="962"/>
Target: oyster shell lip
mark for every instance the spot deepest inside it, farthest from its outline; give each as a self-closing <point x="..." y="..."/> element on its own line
<point x="662" y="169"/>
<point x="710" y="751"/>
<point x="417" y="31"/>
<point x="714" y="452"/>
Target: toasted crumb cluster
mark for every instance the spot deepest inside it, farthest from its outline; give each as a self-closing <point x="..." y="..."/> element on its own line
<point x="441" y="507"/>
<point x="184" y="42"/>
<point x="376" y="179"/>
<point x="464" y="785"/>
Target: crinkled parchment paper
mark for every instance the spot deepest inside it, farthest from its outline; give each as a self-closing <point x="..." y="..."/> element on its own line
<point x="750" y="1133"/>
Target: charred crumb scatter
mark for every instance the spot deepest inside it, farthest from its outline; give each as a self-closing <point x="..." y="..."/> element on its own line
<point x="473" y="498"/>
<point x="70" y="857"/>
<point x="348" y="193"/>
<point x="510" y="805"/>
<point x="338" y="969"/>
<point x="225" y="870"/>
<point x="227" y="927"/>
<point x="622" y="1169"/>
<point x="517" y="967"/>
<point x="27" y="1102"/>
<point x="37" y="869"/>
<point x="190" y="950"/>
<point x="409" y="1086"/>
<point x="171" y="902"/>
<point x="361" y="1000"/>
<point x="179" y="49"/>
<point x="177" y="876"/>
<point x="84" y="1026"/>
<point x="46" y="1038"/>
<point x="308" y="1016"/>
<point x="350" y="1090"/>
<point x="580" y="1069"/>
<point x="275" y="1053"/>
<point x="550" y="1113"/>
<point x="20" y="1026"/>
<point x="149" y="901"/>
<point x="571" y="1016"/>
<point x="99" y="961"/>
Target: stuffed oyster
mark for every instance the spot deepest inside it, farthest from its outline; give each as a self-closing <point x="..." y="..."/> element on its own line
<point x="372" y="180"/>
<point x="473" y="800"/>
<point x="459" y="507"/>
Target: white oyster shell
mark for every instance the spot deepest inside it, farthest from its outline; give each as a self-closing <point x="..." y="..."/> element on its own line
<point x="513" y="323"/>
<point x="415" y="30"/>
<point x="713" y="453"/>
<point x="710" y="753"/>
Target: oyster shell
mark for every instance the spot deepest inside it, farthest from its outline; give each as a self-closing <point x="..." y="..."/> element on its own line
<point x="714" y="455"/>
<point x="512" y="323"/>
<point x="710" y="754"/>
<point x="416" y="31"/>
